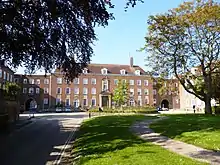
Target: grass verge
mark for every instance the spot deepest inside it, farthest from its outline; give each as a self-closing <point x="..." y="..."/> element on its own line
<point x="199" y="130"/>
<point x="108" y="141"/>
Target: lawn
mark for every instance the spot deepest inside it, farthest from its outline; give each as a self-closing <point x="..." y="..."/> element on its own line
<point x="108" y="141"/>
<point x="199" y="130"/>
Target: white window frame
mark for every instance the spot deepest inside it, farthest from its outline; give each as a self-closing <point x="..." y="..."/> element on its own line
<point x="139" y="82"/>
<point x="59" y="80"/>
<point x="5" y="75"/>
<point x="85" y="81"/>
<point x="104" y="71"/>
<point x="85" y="91"/>
<point x="46" y="101"/>
<point x="37" y="90"/>
<point x="58" y="100"/>
<point x="69" y="91"/>
<point x="115" y="81"/>
<point x="146" y="91"/>
<point x="31" y="89"/>
<point x="76" y="90"/>
<point x="67" y="102"/>
<point x="93" y="81"/>
<point x="86" y="101"/>
<point x="31" y="81"/>
<point x="137" y="72"/>
<point x="93" y="91"/>
<point x="154" y="92"/>
<point x="93" y="99"/>
<point x="46" y="90"/>
<point x="38" y="81"/>
<point x="131" y="82"/>
<point x="76" y="81"/>
<point x="122" y="71"/>
<point x="60" y="90"/>
<point x="8" y="76"/>
<point x="146" y="83"/>
<point x="139" y="92"/>
<point x="76" y="103"/>
<point x="46" y="81"/>
<point x="25" y="81"/>
<point x="132" y="91"/>
<point x="103" y="84"/>
<point x="85" y="71"/>
<point x="24" y="90"/>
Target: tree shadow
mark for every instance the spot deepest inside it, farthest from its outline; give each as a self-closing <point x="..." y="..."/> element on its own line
<point x="103" y="135"/>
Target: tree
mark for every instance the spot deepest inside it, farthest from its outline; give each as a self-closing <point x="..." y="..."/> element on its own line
<point x="186" y="37"/>
<point x="121" y="93"/>
<point x="51" y="33"/>
<point x="11" y="91"/>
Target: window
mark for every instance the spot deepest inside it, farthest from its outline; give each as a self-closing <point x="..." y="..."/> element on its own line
<point x="155" y="101"/>
<point x="76" y="81"/>
<point x="132" y="102"/>
<point x="155" y="83"/>
<point x="165" y="84"/>
<point x="139" y="82"/>
<point x="67" y="81"/>
<point x="8" y="77"/>
<point x="37" y="90"/>
<point x="24" y="90"/>
<point x="76" y="103"/>
<point x="25" y="81"/>
<point x="11" y="78"/>
<point x="93" y="102"/>
<point x="146" y="100"/>
<point x="5" y="75"/>
<point x="0" y="73"/>
<point x="104" y="85"/>
<point x="59" y="80"/>
<point x="139" y="91"/>
<point x="145" y="82"/>
<point x="176" y="84"/>
<point x="115" y="81"/>
<point x="85" y="102"/>
<point x="131" y="91"/>
<point x="104" y="71"/>
<point x="46" y="81"/>
<point x="122" y="71"/>
<point x="131" y="82"/>
<point x="67" y="90"/>
<point x="45" y="101"/>
<point x="31" y="90"/>
<point x="177" y="101"/>
<point x="67" y="102"/>
<point x="146" y="91"/>
<point x="58" y="101"/>
<point x="154" y="92"/>
<point x="76" y="91"/>
<point x="137" y="72"/>
<point x="59" y="90"/>
<point x="139" y="101"/>
<point x="85" y="91"/>
<point x="85" y="71"/>
<point x="93" y="91"/>
<point x="85" y="81"/>
<point x="31" y="81"/>
<point x="46" y="90"/>
<point x="38" y="81"/>
<point x="93" y="81"/>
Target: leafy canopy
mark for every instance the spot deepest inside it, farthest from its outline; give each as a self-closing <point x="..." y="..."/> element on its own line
<point x="185" y="37"/>
<point x="52" y="33"/>
<point x="121" y="93"/>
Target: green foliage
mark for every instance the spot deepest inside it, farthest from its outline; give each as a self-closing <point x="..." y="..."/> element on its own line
<point x="45" y="34"/>
<point x="11" y="91"/>
<point x="59" y="105"/>
<point x="186" y="37"/>
<point x="121" y="93"/>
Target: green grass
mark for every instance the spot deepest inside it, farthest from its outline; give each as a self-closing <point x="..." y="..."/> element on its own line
<point x="108" y="141"/>
<point x="199" y="130"/>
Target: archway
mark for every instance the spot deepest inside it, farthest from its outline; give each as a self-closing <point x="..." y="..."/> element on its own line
<point x="165" y="104"/>
<point x="28" y="103"/>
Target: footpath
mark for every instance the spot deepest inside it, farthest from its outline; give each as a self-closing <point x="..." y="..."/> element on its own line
<point x="142" y="130"/>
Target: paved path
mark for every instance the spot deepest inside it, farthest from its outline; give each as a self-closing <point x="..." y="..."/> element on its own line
<point x="42" y="142"/>
<point x="142" y="129"/>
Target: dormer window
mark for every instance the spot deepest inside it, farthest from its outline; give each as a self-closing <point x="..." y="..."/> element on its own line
<point x="104" y="71"/>
<point x="85" y="71"/>
<point x="123" y="71"/>
<point x="137" y="72"/>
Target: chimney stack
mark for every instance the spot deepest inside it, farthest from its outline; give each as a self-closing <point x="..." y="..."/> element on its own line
<point x="131" y="61"/>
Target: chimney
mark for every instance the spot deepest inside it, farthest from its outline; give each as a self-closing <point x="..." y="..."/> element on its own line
<point x="131" y="61"/>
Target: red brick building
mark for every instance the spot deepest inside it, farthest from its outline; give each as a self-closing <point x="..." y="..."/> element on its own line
<point x="94" y="87"/>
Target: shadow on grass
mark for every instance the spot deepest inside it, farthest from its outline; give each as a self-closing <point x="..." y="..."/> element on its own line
<point x="196" y="126"/>
<point x="106" y="134"/>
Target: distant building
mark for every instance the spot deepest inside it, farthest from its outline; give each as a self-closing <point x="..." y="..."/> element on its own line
<point x="6" y="74"/>
<point x="94" y="87"/>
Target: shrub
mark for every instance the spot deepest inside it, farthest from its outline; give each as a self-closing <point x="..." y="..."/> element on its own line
<point x="216" y="110"/>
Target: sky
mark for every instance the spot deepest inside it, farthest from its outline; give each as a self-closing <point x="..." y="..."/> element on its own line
<point x="125" y="35"/>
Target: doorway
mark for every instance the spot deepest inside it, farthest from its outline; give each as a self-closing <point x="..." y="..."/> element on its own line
<point x="28" y="104"/>
<point x="165" y="104"/>
<point x="105" y="101"/>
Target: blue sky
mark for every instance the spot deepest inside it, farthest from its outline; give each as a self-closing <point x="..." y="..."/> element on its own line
<point x="126" y="33"/>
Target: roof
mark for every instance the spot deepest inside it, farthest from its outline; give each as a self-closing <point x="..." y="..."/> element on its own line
<point x="113" y="68"/>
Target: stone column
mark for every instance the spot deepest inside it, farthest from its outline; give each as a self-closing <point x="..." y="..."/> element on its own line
<point x="110" y="101"/>
<point x="100" y="100"/>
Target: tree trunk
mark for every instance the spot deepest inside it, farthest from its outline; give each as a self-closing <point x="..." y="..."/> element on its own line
<point x="208" y="107"/>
